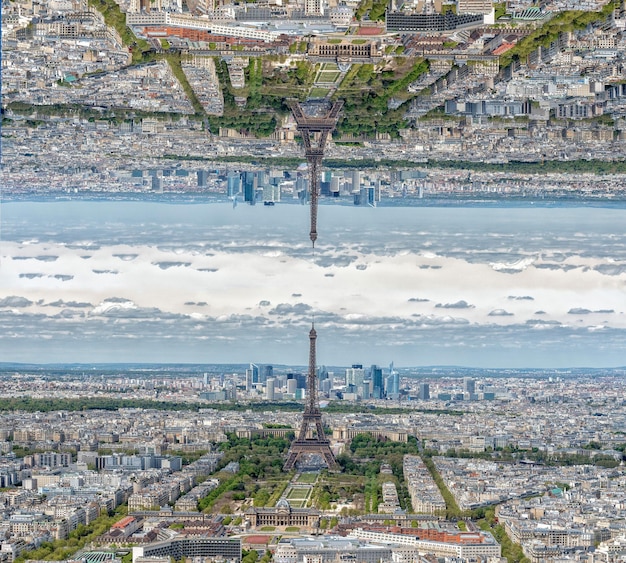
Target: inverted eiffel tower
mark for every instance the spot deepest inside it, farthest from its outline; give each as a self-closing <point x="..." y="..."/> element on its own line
<point x="311" y="439"/>
<point x="315" y="125"/>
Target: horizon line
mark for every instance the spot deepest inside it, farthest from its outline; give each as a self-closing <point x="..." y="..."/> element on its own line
<point x="5" y="364"/>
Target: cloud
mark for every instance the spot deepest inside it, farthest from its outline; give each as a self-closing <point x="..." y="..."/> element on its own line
<point x="47" y="258"/>
<point x="240" y="321"/>
<point x="581" y="311"/>
<point x="76" y="304"/>
<point x="126" y="257"/>
<point x="563" y="268"/>
<point x="611" y="269"/>
<point x="287" y="309"/>
<point x="418" y="300"/>
<point x="168" y="265"/>
<point x="63" y="277"/>
<point x="336" y="261"/>
<point x="458" y="305"/>
<point x="428" y="321"/>
<point x="521" y="297"/>
<point x="512" y="267"/>
<point x="31" y="276"/>
<point x="15" y="301"/>
<point x="114" y="272"/>
<point x="264" y="303"/>
<point x="499" y="313"/>
<point x="83" y="246"/>
<point x="65" y="314"/>
<point x="112" y="306"/>
<point x="128" y="310"/>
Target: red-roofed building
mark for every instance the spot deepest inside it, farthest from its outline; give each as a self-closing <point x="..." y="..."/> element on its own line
<point x="127" y="526"/>
<point x="502" y="48"/>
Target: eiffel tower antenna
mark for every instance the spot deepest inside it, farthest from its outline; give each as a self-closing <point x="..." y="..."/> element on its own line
<point x="311" y="439"/>
<point x="315" y="120"/>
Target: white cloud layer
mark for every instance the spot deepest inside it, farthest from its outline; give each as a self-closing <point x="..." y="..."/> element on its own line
<point x="92" y="281"/>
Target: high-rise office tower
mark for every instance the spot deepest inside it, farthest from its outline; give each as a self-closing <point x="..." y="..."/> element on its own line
<point x="301" y="379"/>
<point x="157" y="182"/>
<point x="355" y="375"/>
<point x="254" y="373"/>
<point x="265" y="372"/>
<point x="250" y="183"/>
<point x="269" y="388"/>
<point x="356" y="180"/>
<point x="424" y="392"/>
<point x="392" y="385"/>
<point x="203" y="178"/>
<point x="233" y="184"/>
<point x="292" y="385"/>
<point x="322" y="373"/>
<point x="376" y="376"/>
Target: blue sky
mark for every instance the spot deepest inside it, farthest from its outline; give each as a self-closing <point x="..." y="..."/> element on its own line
<point x="154" y="282"/>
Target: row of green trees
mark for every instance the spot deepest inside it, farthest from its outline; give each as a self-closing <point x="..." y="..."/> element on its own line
<point x="33" y="404"/>
<point x="175" y="61"/>
<point x="367" y="93"/>
<point x="372" y="495"/>
<point x="80" y="537"/>
<point x="234" y="483"/>
<point x="452" y="508"/>
<point x="512" y="453"/>
<point x="582" y="166"/>
<point x="512" y="551"/>
<point x="113" y="16"/>
<point x="566" y="21"/>
<point x="259" y="115"/>
<point x="374" y="9"/>
<point x="258" y="457"/>
<point x="252" y="556"/>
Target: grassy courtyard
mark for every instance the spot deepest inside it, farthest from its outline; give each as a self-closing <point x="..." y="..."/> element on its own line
<point x="307" y="478"/>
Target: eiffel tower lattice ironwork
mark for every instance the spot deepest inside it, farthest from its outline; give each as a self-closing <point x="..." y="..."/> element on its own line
<point x="311" y="439"/>
<point x="315" y="128"/>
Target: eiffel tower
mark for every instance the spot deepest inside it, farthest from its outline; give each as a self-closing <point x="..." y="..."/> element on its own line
<point x="315" y="125"/>
<point x="311" y="438"/>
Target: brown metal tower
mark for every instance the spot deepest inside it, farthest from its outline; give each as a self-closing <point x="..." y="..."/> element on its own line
<point x="315" y="125"/>
<point x="311" y="439"/>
